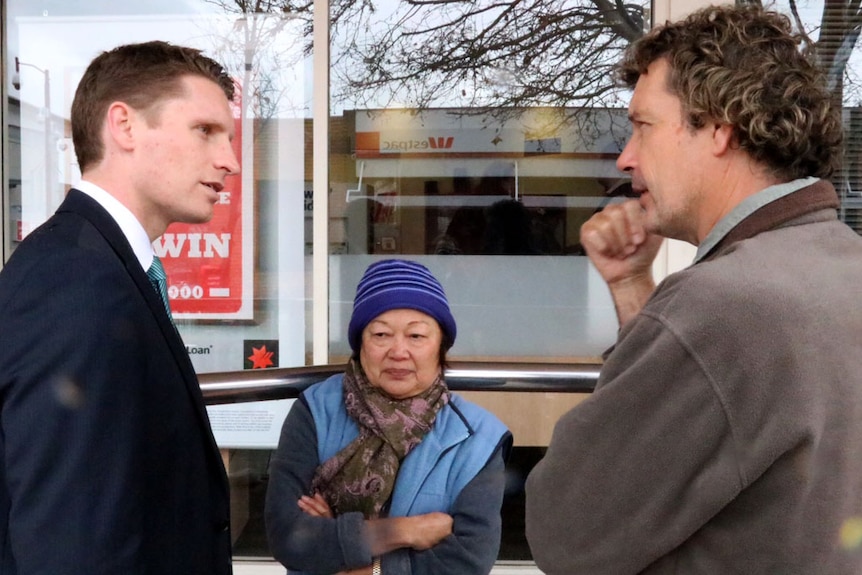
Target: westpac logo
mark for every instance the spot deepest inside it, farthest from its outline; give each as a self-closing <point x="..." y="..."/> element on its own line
<point x="429" y="143"/>
<point x="441" y="142"/>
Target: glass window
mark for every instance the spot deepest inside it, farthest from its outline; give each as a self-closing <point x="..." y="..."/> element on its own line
<point x="236" y="284"/>
<point x="477" y="137"/>
<point x="832" y="32"/>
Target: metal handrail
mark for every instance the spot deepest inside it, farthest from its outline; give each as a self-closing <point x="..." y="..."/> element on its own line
<point x="288" y="382"/>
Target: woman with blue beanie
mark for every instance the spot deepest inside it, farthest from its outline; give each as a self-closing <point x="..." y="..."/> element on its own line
<point x="381" y="469"/>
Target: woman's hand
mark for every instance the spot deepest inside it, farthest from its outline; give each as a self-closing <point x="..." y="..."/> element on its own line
<point x="315" y="506"/>
<point x="426" y="531"/>
<point x="418" y="532"/>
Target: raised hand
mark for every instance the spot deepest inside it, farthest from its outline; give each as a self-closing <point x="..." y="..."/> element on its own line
<point x="622" y="250"/>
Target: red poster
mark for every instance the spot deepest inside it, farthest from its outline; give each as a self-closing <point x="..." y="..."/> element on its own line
<point x="208" y="275"/>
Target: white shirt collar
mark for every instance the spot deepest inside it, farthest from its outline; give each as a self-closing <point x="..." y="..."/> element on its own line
<point x="129" y="224"/>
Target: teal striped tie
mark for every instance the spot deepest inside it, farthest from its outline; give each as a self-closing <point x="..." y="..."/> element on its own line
<point x="159" y="279"/>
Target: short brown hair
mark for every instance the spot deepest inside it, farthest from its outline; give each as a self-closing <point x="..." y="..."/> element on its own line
<point x="742" y="66"/>
<point x="141" y="75"/>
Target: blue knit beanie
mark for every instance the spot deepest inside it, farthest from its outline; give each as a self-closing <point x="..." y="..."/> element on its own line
<point x="398" y="284"/>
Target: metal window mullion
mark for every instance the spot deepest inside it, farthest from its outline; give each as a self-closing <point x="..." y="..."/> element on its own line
<point x="320" y="184"/>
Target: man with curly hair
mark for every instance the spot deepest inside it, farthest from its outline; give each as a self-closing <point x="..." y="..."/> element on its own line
<point x="725" y="431"/>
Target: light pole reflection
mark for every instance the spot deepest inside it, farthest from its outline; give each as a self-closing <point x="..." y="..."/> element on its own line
<point x="49" y="148"/>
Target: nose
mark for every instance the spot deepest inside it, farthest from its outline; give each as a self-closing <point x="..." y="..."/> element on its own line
<point x="228" y="161"/>
<point x="626" y="159"/>
<point x="399" y="347"/>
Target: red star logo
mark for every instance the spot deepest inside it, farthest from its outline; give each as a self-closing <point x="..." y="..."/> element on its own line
<point x="260" y="358"/>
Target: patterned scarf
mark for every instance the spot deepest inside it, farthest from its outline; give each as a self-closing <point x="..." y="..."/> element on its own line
<point x="362" y="475"/>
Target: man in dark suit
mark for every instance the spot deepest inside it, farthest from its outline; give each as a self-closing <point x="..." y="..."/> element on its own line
<point x="108" y="463"/>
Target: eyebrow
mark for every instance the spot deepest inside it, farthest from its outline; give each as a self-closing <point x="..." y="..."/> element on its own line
<point x="410" y="323"/>
<point x="639" y="115"/>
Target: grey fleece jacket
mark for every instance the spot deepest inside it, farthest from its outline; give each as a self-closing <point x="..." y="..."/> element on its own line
<point x="725" y="432"/>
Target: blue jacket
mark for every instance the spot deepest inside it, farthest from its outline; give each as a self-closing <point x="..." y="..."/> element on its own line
<point x="458" y="468"/>
<point x="434" y="473"/>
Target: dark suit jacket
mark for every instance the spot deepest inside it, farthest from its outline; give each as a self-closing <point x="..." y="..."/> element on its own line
<point x="108" y="461"/>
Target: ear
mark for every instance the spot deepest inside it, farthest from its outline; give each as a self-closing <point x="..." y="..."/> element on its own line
<point x="722" y="138"/>
<point x="119" y="124"/>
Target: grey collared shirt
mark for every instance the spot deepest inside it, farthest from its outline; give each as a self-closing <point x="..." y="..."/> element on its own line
<point x="744" y="209"/>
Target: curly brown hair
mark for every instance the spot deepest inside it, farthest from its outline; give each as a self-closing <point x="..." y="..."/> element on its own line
<point x="742" y="66"/>
<point x="141" y="75"/>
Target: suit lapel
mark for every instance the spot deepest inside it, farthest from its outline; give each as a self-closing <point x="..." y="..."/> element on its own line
<point x="79" y="203"/>
<point x="88" y="208"/>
